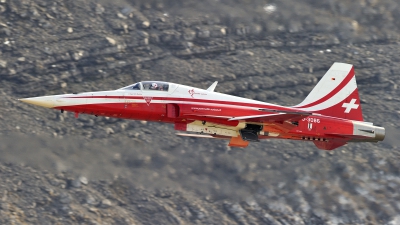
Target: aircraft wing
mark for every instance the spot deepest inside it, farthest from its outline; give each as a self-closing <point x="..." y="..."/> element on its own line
<point x="265" y="116"/>
<point x="287" y="111"/>
<point x="272" y="116"/>
<point x="279" y="115"/>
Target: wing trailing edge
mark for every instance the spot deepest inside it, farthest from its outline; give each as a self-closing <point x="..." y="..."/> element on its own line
<point x="276" y="115"/>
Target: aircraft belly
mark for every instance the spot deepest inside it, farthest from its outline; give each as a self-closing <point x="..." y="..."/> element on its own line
<point x="106" y="109"/>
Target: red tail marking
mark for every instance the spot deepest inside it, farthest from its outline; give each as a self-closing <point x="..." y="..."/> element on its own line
<point x="334" y="91"/>
<point x="349" y="108"/>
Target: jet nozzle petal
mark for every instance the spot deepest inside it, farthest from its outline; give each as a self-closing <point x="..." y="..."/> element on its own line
<point x="379" y="133"/>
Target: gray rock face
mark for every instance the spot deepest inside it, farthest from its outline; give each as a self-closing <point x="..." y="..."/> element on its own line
<point x="95" y="170"/>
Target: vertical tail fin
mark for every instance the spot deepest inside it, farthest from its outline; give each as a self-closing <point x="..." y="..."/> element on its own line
<point x="336" y="94"/>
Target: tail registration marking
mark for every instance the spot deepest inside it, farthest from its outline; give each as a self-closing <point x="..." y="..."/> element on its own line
<point x="311" y="120"/>
<point x="349" y="106"/>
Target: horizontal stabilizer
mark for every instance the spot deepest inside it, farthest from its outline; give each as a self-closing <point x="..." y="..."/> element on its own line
<point x="255" y="116"/>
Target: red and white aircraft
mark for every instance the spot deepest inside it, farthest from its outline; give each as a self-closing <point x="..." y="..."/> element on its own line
<point x="330" y="116"/>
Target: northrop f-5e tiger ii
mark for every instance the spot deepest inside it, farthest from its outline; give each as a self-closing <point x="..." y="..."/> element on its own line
<point x="330" y="116"/>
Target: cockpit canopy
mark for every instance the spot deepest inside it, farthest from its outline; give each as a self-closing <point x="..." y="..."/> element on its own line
<point x="155" y="86"/>
<point x="135" y="86"/>
<point x="148" y="86"/>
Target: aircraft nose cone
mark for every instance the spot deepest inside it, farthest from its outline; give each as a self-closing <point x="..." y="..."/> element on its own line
<point x="44" y="101"/>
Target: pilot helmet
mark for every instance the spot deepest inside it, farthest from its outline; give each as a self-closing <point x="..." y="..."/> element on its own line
<point x="153" y="85"/>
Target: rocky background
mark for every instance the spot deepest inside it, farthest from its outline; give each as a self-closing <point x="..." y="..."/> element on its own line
<point x="55" y="169"/>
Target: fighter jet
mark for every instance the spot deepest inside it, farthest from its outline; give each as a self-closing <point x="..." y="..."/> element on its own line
<point x="330" y="116"/>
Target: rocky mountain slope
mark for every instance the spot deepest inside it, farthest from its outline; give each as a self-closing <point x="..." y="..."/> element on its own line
<point x="58" y="169"/>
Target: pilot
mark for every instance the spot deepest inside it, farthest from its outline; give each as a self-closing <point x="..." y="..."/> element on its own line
<point x="136" y="87"/>
<point x="153" y="86"/>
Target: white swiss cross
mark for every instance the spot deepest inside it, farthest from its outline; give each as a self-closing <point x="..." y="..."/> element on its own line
<point x="349" y="106"/>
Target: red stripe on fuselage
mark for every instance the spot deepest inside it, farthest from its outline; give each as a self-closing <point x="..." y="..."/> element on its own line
<point x="347" y="79"/>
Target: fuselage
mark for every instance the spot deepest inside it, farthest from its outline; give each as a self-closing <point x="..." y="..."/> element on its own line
<point x="208" y="112"/>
